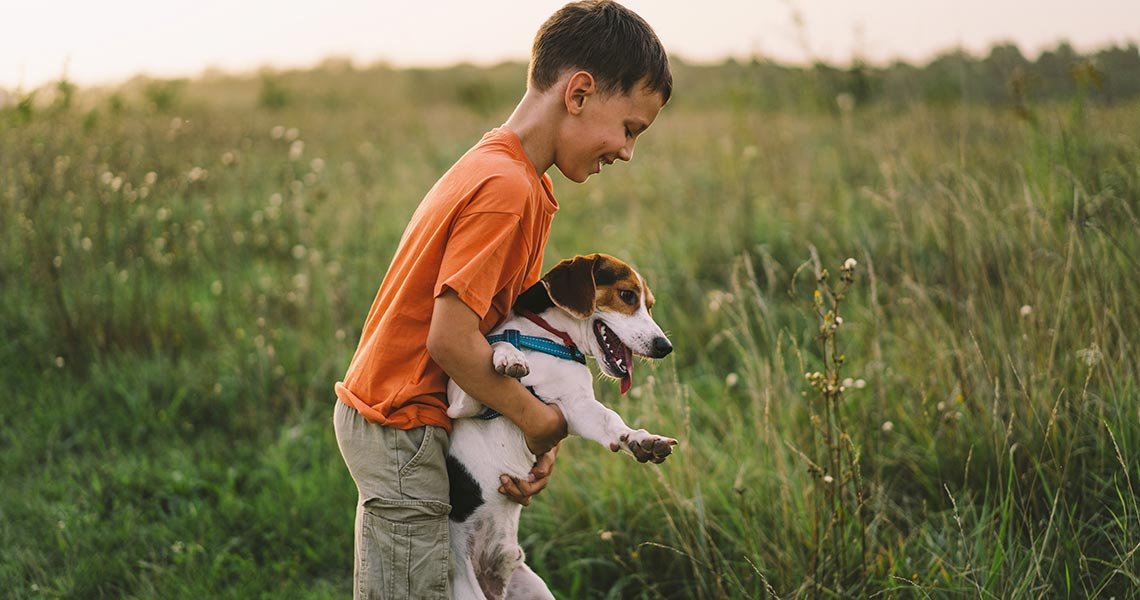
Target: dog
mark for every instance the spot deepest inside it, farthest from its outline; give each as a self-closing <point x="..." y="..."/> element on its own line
<point x="595" y="303"/>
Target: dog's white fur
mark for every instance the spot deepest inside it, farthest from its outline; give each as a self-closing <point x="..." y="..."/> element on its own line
<point x="487" y="561"/>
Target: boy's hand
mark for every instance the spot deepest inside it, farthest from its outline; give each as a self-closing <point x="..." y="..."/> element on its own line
<point x="520" y="490"/>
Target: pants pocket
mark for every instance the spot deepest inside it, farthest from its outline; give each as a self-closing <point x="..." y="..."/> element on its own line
<point x="404" y="550"/>
<point x="424" y="475"/>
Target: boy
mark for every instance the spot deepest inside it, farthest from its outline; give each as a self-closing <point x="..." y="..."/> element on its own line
<point x="598" y="77"/>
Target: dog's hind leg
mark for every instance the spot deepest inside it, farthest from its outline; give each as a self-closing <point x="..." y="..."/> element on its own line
<point x="464" y="585"/>
<point x="460" y="404"/>
<point x="527" y="585"/>
<point x="494" y="566"/>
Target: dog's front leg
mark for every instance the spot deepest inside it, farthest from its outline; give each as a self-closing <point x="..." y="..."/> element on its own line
<point x="509" y="361"/>
<point x="587" y="417"/>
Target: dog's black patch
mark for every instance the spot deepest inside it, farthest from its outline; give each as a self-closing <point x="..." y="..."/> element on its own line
<point x="535" y="299"/>
<point x="607" y="274"/>
<point x="466" y="495"/>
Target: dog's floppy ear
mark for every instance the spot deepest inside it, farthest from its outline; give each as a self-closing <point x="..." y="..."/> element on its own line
<point x="570" y="285"/>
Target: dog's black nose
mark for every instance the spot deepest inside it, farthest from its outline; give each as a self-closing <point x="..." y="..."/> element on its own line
<point x="661" y="347"/>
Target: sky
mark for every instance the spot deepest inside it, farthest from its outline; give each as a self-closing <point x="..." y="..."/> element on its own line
<point x="96" y="43"/>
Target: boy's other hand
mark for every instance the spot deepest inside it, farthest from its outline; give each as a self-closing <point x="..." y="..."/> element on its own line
<point x="544" y="428"/>
<point x="522" y="490"/>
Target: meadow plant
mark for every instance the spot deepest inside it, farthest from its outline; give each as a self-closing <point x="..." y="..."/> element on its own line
<point x="838" y="501"/>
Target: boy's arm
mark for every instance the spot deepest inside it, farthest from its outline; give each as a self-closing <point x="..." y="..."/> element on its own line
<point x="456" y="345"/>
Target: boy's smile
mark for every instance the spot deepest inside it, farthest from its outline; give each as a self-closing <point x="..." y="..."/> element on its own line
<point x="604" y="129"/>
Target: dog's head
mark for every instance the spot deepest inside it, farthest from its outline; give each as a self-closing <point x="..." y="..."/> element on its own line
<point x="614" y="301"/>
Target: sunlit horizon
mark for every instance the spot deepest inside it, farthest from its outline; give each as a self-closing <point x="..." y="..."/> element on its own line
<point x="105" y="44"/>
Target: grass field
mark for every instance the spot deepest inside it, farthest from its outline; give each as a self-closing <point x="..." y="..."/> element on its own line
<point x="184" y="269"/>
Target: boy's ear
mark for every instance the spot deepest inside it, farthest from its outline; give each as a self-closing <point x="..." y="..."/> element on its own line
<point x="570" y="285"/>
<point x="579" y="88"/>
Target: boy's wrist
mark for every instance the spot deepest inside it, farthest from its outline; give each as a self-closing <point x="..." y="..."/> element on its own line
<point x="544" y="422"/>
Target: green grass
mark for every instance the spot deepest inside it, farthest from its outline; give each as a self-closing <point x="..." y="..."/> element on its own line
<point x="167" y="357"/>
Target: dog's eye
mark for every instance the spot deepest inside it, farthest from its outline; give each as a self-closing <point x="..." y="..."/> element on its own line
<point x="628" y="296"/>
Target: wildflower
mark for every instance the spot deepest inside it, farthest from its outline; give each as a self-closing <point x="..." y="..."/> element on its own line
<point x="1091" y="355"/>
<point x="196" y="174"/>
<point x="838" y="320"/>
<point x="227" y="158"/>
<point x="59" y="362"/>
<point x="216" y="288"/>
<point x="1026" y="310"/>
<point x="317" y="165"/>
<point x="292" y="134"/>
<point x="860" y="384"/>
<point x="845" y="101"/>
<point x="606" y="535"/>
<point x="298" y="252"/>
<point x="150" y="178"/>
<point x="850" y="264"/>
<point x="57" y="262"/>
<point x="340" y="334"/>
<point x="162" y="214"/>
<point x="731" y="380"/>
<point x="717" y="299"/>
<point x="86" y="243"/>
<point x="828" y="479"/>
<point x="301" y="281"/>
<point x="888" y="426"/>
<point x="277" y="132"/>
<point x="848" y="382"/>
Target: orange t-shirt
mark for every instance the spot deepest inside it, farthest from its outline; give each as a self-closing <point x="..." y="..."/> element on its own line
<point x="480" y="231"/>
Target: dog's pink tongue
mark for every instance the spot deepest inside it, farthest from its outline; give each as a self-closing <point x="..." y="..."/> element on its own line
<point x="627" y="381"/>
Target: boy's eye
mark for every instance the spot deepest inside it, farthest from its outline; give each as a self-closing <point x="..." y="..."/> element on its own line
<point x="628" y="297"/>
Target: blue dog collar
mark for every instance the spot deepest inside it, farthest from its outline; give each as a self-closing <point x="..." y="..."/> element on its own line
<point x="539" y="344"/>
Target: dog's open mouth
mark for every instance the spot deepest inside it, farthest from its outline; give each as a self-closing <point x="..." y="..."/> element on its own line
<point x="618" y="358"/>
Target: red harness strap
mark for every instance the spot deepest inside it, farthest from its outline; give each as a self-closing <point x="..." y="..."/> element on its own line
<point x="537" y="320"/>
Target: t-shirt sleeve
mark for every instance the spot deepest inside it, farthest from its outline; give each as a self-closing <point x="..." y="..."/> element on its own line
<point x="484" y="253"/>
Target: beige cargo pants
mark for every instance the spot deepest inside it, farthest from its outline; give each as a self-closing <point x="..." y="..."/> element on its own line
<point x="402" y="548"/>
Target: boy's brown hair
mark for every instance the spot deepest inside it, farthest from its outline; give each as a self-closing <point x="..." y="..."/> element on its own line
<point x="607" y="40"/>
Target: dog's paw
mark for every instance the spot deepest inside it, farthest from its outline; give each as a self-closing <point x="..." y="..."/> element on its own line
<point x="510" y="361"/>
<point x="645" y="446"/>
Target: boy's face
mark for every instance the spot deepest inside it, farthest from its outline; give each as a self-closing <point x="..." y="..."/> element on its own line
<point x="604" y="130"/>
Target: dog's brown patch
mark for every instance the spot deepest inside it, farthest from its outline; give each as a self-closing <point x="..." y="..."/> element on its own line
<point x="613" y="277"/>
